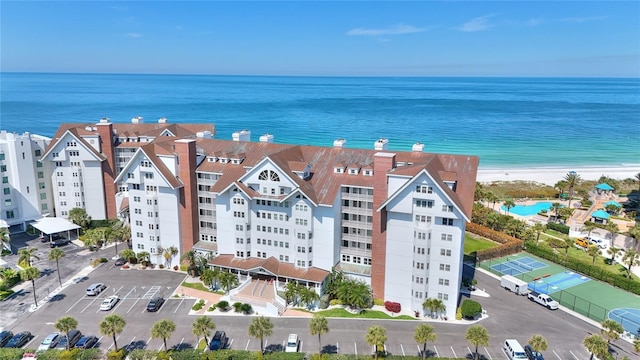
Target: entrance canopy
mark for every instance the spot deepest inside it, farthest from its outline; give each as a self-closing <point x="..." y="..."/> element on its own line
<point x="54" y="225"/>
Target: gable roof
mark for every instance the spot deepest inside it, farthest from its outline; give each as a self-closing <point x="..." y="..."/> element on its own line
<point x="74" y="133"/>
<point x="151" y="152"/>
<point x="272" y="265"/>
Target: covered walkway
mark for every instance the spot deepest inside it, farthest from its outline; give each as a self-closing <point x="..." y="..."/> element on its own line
<point x="50" y="226"/>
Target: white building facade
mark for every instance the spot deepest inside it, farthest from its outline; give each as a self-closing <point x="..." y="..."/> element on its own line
<point x="25" y="181"/>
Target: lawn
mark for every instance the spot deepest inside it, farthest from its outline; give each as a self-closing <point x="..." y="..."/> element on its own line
<point x="366" y="314"/>
<point x="199" y="286"/>
<point x="473" y="243"/>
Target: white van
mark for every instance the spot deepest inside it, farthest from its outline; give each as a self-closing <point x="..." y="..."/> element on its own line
<point x="292" y="343"/>
<point x="514" y="350"/>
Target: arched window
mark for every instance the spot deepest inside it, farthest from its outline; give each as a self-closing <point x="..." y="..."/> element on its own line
<point x="269" y="175"/>
<point x="273" y="176"/>
<point x="264" y="175"/>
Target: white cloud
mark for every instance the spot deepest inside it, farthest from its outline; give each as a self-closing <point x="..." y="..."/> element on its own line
<point x="583" y="19"/>
<point x="477" y="24"/>
<point x="133" y="35"/>
<point x="393" y="30"/>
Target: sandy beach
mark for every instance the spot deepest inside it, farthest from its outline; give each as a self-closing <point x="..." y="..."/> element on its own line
<point x="552" y="175"/>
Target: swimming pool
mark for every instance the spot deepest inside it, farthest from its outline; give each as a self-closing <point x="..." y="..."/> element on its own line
<point x="528" y="210"/>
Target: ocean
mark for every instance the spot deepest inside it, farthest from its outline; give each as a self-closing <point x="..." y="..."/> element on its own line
<point x="507" y="122"/>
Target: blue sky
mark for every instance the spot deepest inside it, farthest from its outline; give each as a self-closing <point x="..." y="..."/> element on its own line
<point x="341" y="38"/>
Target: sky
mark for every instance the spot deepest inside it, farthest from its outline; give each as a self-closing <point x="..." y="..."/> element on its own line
<point x="324" y="38"/>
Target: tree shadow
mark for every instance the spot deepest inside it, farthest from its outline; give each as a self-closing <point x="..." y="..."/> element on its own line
<point x="134" y="345"/>
<point x="46" y="272"/>
<point x="182" y="346"/>
<point x="273" y="348"/>
<point x="428" y="353"/>
<point x="329" y="349"/>
<point x="470" y="356"/>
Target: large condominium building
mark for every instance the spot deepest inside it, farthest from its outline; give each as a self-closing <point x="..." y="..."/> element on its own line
<point x="25" y="181"/>
<point x="394" y="219"/>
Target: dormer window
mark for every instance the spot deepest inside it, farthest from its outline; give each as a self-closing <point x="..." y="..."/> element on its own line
<point x="224" y="160"/>
<point x="353" y="171"/>
<point x="367" y="173"/>
<point x="211" y="159"/>
<point x="338" y="170"/>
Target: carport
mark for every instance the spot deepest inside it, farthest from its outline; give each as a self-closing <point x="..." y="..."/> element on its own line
<point x="49" y="226"/>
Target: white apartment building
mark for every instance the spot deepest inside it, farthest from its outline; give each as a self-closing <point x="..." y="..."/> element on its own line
<point x="25" y="181"/>
<point x="393" y="219"/>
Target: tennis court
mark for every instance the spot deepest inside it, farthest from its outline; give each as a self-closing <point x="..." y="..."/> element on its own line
<point x="629" y="318"/>
<point x="518" y="266"/>
<point x="557" y="282"/>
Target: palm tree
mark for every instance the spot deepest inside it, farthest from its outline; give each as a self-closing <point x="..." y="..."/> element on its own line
<point x="112" y="325"/>
<point x="112" y="236"/>
<point x="318" y="325"/>
<point x="509" y="204"/>
<point x="355" y="293"/>
<point x="376" y="336"/>
<point x="93" y="237"/>
<point x="477" y="335"/>
<point x="25" y="255"/>
<point x="80" y="217"/>
<point x="596" y="346"/>
<point x="66" y="324"/>
<point x="308" y="296"/>
<point x="31" y="274"/>
<point x="573" y="180"/>
<point x="291" y="291"/>
<point x="568" y="243"/>
<point x="428" y="304"/>
<point x="192" y="262"/>
<point x="334" y="279"/>
<point x="5" y="238"/>
<point x="630" y="258"/>
<point x="555" y="207"/>
<point x="439" y="306"/>
<point x="143" y="257"/>
<point x="228" y="281"/>
<point x="169" y="253"/>
<point x="538" y="228"/>
<point x="560" y="186"/>
<point x="163" y="329"/>
<point x="7" y="274"/>
<point x="207" y="277"/>
<point x="128" y="254"/>
<point x="423" y="334"/>
<point x="491" y="198"/>
<point x="55" y="255"/>
<point x="611" y="330"/>
<point x="612" y="228"/>
<point x="593" y="251"/>
<point x="613" y="251"/>
<point x="538" y="343"/>
<point x="634" y="232"/>
<point x="260" y="328"/>
<point x="588" y="228"/>
<point x="202" y="327"/>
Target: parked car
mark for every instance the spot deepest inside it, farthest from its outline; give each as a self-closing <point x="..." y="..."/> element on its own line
<point x="292" y="343"/>
<point x="95" y="289"/>
<point x="155" y="304"/>
<point x="19" y="340"/>
<point x="57" y="240"/>
<point x="86" y="342"/>
<point x="218" y="341"/>
<point x="49" y="342"/>
<point x="120" y="261"/>
<point x="74" y="336"/>
<point x="532" y="354"/>
<point x="5" y="336"/>
<point x="109" y="303"/>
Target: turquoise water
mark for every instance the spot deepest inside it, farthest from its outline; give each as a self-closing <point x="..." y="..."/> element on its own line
<point x="507" y="122"/>
<point x="528" y="210"/>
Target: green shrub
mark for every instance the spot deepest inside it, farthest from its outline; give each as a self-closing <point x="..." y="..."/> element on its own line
<point x="142" y="354"/>
<point x="223" y="305"/>
<point x="470" y="309"/>
<point x="246" y="308"/>
<point x="379" y="302"/>
<point x="184" y="267"/>
<point x="198" y="306"/>
<point x="558" y="227"/>
<point x="324" y="301"/>
<point x="212" y="307"/>
<point x="89" y="354"/>
<point x="237" y="306"/>
<point x="117" y="355"/>
<point x="67" y="354"/>
<point x="459" y="313"/>
<point x="335" y="302"/>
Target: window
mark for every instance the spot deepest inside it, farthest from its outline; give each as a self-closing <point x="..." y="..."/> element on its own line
<point x="141" y="246"/>
<point x="424" y="203"/>
<point x="446" y="237"/>
<point x="423" y="218"/>
<point x="40" y="175"/>
<point x="41" y="185"/>
<point x="3" y="168"/>
<point x="5" y="179"/>
<point x="148" y="175"/>
<point x="444" y="282"/>
<point x="445" y="267"/>
<point x="442" y="296"/>
<point x="6" y="191"/>
<point x="269" y="175"/>
<point x="423" y="189"/>
<point x="447" y="208"/>
<point x="44" y="207"/>
<point x="38" y="152"/>
<point x="445" y="252"/>
<point x="447" y="221"/>
<point x="1" y="156"/>
<point x="9" y="214"/>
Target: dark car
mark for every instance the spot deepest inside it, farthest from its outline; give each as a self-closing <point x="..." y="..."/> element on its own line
<point x="74" y="336"/>
<point x="86" y="342"/>
<point x="5" y="336"/>
<point x="219" y="341"/>
<point x="120" y="261"/>
<point x="155" y="304"/>
<point x="19" y="340"/>
<point x="532" y="354"/>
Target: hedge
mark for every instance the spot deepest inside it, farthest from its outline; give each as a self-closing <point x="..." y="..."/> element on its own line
<point x="470" y="309"/>
<point x="617" y="280"/>
<point x="558" y="227"/>
<point x="509" y="244"/>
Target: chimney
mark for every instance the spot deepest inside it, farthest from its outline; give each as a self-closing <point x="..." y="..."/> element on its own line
<point x="417" y="147"/>
<point x="268" y="138"/>
<point x="381" y="144"/>
<point x="242" y="135"/>
<point x="186" y="151"/>
<point x="204" y="134"/>
<point x="339" y="143"/>
<point x="382" y="163"/>
<point x="105" y="133"/>
<point x="137" y="120"/>
<point x="162" y="120"/>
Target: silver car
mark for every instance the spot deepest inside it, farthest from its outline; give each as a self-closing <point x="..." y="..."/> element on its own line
<point x="49" y="342"/>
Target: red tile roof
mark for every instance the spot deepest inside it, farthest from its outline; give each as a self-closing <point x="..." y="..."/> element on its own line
<point x="272" y="265"/>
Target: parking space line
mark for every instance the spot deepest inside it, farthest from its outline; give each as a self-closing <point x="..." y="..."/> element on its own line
<point x="180" y="304"/>
<point x="436" y="350"/>
<point x="301" y="344"/>
<point x="487" y="351"/>
<point x="134" y="304"/>
<point x="180" y="344"/>
<point x="30" y="341"/>
<point x="574" y="355"/>
<point x="110" y="346"/>
<point x="469" y="350"/>
<point x="558" y="356"/>
<point x="355" y="345"/>
<point x="76" y="303"/>
<point x="147" y="343"/>
<point x="230" y="343"/>
<point x="454" y="353"/>
<point x="132" y="290"/>
<point x="401" y="348"/>
<point x="337" y="348"/>
<point x="247" y="347"/>
<point x="91" y="303"/>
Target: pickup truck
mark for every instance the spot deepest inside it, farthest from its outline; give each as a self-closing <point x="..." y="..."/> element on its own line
<point x="543" y="299"/>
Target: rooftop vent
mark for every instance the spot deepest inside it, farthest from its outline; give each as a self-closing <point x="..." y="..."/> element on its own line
<point x="137" y="120"/>
<point x="242" y="135"/>
<point x="268" y="138"/>
<point x="339" y="143"/>
<point x="104" y="120"/>
<point x="162" y="120"/>
<point x="204" y="134"/>
<point x="381" y="144"/>
<point x="417" y="147"/>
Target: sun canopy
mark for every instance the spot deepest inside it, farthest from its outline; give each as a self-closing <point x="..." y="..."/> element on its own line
<point x="600" y="214"/>
<point x="614" y="203"/>
<point x="53" y="225"/>
<point x="604" y="186"/>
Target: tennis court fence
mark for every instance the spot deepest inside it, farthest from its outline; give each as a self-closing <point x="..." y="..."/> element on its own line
<point x="569" y="300"/>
